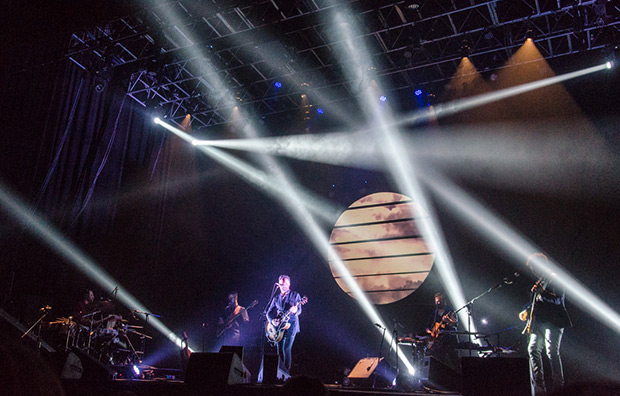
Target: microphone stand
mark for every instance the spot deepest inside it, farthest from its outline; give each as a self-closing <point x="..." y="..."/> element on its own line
<point x="394" y="338"/>
<point x="374" y="379"/>
<point x="470" y="304"/>
<point x="38" y="322"/>
<point x="264" y="321"/>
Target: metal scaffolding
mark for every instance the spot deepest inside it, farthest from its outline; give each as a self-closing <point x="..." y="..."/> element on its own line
<point x="205" y="58"/>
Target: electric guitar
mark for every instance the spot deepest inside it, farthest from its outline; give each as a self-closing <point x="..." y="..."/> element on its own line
<point x="529" y="315"/>
<point x="275" y="331"/>
<point x="438" y="327"/>
<point x="221" y="328"/>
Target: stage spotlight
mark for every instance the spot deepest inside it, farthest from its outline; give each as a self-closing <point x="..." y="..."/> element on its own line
<point x="418" y="92"/>
<point x="382" y="98"/>
<point x="484" y="322"/>
<point x="136" y="370"/>
<point x="277" y="84"/>
<point x="609" y="64"/>
<point x="529" y="34"/>
<point x="319" y="110"/>
<point x="412" y="370"/>
<point x="157" y="120"/>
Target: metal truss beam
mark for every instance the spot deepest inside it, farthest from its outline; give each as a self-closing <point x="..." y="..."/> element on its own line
<point x="249" y="44"/>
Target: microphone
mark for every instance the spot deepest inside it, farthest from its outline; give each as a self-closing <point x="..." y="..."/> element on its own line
<point x="510" y="279"/>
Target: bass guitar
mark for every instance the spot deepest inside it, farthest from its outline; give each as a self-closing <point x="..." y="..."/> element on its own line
<point x="274" y="330"/>
<point x="221" y="328"/>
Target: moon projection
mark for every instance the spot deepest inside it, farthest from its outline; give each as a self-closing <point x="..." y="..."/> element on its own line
<point x="378" y="240"/>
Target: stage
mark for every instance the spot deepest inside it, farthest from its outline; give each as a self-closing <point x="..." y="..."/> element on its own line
<point x="174" y="387"/>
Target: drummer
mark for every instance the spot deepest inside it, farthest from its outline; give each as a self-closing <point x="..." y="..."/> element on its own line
<point x="91" y="312"/>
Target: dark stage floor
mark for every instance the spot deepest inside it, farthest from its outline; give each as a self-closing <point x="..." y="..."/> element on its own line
<point x="174" y="387"/>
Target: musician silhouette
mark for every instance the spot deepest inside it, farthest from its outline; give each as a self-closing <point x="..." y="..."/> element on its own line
<point x="286" y="301"/>
<point x="231" y="324"/>
<point x="545" y="318"/>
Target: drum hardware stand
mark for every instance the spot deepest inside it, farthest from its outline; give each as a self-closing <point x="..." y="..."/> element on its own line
<point x="90" y="329"/>
<point x="146" y="321"/>
<point x="45" y="310"/>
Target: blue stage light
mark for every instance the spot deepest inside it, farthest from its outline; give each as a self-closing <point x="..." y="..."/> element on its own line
<point x="418" y="92"/>
<point x="278" y="84"/>
<point x="319" y="110"/>
<point x="383" y="98"/>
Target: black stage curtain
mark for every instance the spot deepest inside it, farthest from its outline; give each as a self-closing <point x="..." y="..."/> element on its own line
<point x="89" y="159"/>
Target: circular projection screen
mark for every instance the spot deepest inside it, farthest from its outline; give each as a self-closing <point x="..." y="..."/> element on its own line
<point x="378" y="240"/>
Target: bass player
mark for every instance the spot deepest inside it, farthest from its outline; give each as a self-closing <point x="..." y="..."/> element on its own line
<point x="288" y="304"/>
<point x="231" y="324"/>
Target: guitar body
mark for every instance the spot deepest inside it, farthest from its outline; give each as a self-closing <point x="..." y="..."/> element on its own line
<point x="435" y="331"/>
<point x="530" y="314"/>
<point x="275" y="333"/>
<point x="437" y="328"/>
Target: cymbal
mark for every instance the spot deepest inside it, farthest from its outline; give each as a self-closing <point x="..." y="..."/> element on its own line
<point x="410" y="340"/>
<point x="91" y="314"/>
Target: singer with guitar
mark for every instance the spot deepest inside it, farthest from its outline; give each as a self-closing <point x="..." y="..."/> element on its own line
<point x="545" y="318"/>
<point x="230" y="325"/>
<point x="441" y="344"/>
<point x="286" y="305"/>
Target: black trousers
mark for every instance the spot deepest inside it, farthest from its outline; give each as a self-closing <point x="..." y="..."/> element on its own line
<point x="284" y="350"/>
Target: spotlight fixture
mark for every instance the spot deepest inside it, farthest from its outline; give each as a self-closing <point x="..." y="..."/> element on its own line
<point x="382" y="98"/>
<point x="465" y="48"/>
<point x="372" y="72"/>
<point x="418" y="92"/>
<point x="319" y="110"/>
<point x="529" y="34"/>
<point x="277" y="84"/>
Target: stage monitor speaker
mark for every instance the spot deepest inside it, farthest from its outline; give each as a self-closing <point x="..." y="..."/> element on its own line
<point x="270" y="371"/>
<point x="362" y="373"/>
<point x="437" y="375"/>
<point x="495" y="376"/>
<point x="76" y="364"/>
<point x="234" y="349"/>
<point x="215" y="370"/>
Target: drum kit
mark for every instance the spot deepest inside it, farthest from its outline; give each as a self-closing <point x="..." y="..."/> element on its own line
<point x="102" y="334"/>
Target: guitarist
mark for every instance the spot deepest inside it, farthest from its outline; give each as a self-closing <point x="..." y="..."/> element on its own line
<point x="231" y="324"/>
<point x="284" y="301"/>
<point x="545" y="318"/>
<point x="440" y="345"/>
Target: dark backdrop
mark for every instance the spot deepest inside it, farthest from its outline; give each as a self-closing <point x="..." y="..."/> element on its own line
<point x="178" y="231"/>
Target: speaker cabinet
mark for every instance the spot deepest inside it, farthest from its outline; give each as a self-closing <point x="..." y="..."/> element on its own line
<point x="372" y="372"/>
<point x="439" y="376"/>
<point x="215" y="370"/>
<point x="233" y="349"/>
<point x="270" y="371"/>
<point x="75" y="364"/>
<point x="495" y="376"/>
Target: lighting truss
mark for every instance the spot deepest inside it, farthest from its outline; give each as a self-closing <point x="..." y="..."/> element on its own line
<point x="250" y="44"/>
